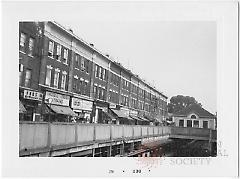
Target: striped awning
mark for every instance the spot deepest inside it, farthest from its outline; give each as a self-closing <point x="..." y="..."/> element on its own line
<point x="21" y="108"/>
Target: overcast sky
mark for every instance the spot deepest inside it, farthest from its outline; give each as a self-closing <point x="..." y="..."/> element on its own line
<point x="179" y="57"/>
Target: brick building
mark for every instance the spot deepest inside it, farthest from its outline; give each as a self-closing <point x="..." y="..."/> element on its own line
<point x="77" y="81"/>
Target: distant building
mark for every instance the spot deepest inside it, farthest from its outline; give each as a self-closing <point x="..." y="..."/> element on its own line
<point x="194" y="116"/>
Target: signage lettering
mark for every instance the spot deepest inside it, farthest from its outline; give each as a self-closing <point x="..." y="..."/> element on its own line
<point x="58" y="99"/>
<point x="33" y="95"/>
<point x="81" y="104"/>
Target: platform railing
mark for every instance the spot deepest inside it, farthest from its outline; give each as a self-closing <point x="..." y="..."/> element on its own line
<point x="43" y="135"/>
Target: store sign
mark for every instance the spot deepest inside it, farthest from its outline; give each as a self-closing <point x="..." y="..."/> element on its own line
<point x="112" y="106"/>
<point x="58" y="99"/>
<point x="81" y="104"/>
<point x="33" y="95"/>
<point x="125" y="111"/>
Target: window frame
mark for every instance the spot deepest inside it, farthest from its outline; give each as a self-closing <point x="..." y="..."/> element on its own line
<point x="56" y="78"/>
<point x="27" y="83"/>
<point x="63" y="81"/>
<point x="50" y="51"/>
<point x="31" y="48"/>
<point x="65" y="56"/>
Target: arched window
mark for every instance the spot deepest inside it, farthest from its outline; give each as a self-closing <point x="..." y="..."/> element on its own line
<point x="193" y="116"/>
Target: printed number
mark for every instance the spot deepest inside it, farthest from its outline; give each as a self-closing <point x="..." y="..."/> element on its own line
<point x="111" y="171"/>
<point x="136" y="171"/>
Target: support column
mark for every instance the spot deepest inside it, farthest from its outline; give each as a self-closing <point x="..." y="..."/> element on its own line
<point x="110" y="151"/>
<point x="132" y="147"/>
<point x="93" y="152"/>
<point x="122" y="149"/>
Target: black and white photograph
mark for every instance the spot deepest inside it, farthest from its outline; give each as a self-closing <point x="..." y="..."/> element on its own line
<point x="124" y="88"/>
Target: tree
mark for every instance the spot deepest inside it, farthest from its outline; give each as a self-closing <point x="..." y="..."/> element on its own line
<point x="179" y="102"/>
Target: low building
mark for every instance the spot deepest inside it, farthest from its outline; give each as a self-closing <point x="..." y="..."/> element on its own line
<point x="194" y="116"/>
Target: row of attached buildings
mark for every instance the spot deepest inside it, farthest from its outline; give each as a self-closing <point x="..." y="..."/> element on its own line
<point x="63" y="78"/>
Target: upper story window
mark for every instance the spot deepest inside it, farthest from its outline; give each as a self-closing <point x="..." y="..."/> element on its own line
<point x="58" y="55"/>
<point x="96" y="70"/>
<point x="100" y="72"/>
<point x="77" y="61"/>
<point x="50" y="48"/>
<point x="104" y="74"/>
<point x="86" y="65"/>
<point x="48" y="76"/>
<point x="56" y="78"/>
<point x="20" y="73"/>
<point x="63" y="82"/>
<point x="28" y="78"/>
<point x="82" y="64"/>
<point x="31" y="46"/>
<point x="22" y="41"/>
<point x="65" y="56"/>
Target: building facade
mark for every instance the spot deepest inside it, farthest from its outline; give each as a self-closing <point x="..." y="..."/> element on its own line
<point x="195" y="116"/>
<point x="71" y="80"/>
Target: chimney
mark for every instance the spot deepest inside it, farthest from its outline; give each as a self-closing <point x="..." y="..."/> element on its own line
<point x="92" y="45"/>
<point x="70" y="30"/>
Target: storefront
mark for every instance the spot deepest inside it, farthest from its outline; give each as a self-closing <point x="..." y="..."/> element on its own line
<point x="31" y="101"/>
<point x="123" y="115"/>
<point x="100" y="111"/>
<point x="134" y="116"/>
<point x="83" y="109"/>
<point x="145" y="121"/>
<point x="58" y="108"/>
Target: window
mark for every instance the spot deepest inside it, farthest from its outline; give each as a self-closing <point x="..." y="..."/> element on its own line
<point x="96" y="70"/>
<point x="84" y="88"/>
<point x="196" y="123"/>
<point x="50" y="48"/>
<point x="56" y="78"/>
<point x="65" y="56"/>
<point x="59" y="48"/>
<point x="100" y="73"/>
<point x="205" y="124"/>
<point x="95" y="91"/>
<point x="63" y="82"/>
<point x="28" y="78"/>
<point x="48" y="76"/>
<point x="189" y="123"/>
<point x="75" y="85"/>
<point x="20" y="73"/>
<point x="181" y="123"/>
<point x="82" y="64"/>
<point x="104" y="74"/>
<point x="86" y="65"/>
<point x="31" y="46"/>
<point x="99" y="93"/>
<point x="193" y="116"/>
<point x="22" y="41"/>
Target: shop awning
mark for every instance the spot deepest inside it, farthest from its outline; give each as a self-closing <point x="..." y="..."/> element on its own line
<point x="136" y="118"/>
<point x="144" y="119"/>
<point x="121" y="114"/>
<point x="62" y="110"/>
<point x="21" y="108"/>
<point x="110" y="116"/>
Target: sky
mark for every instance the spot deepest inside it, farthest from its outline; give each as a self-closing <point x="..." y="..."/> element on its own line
<point x="178" y="57"/>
